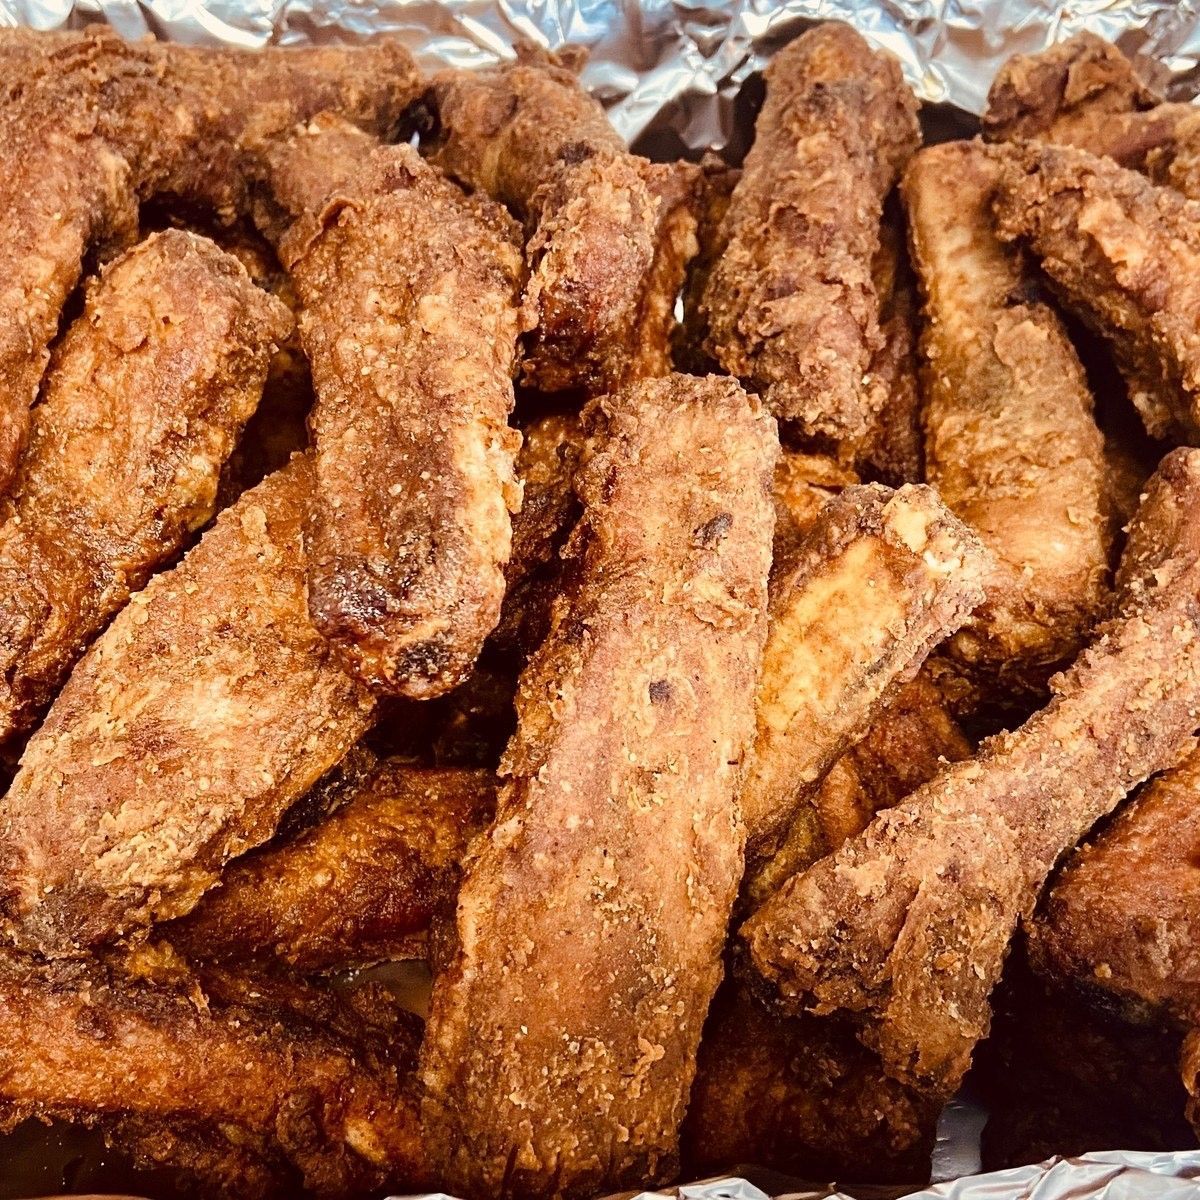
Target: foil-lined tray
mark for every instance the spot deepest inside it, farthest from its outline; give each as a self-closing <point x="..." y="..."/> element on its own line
<point x="674" y="70"/>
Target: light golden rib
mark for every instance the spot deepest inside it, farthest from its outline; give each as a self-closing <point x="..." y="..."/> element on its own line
<point x="100" y="124"/>
<point x="145" y="397"/>
<point x="208" y="706"/>
<point x="609" y="233"/>
<point x="254" y="1092"/>
<point x="409" y="292"/>
<point x="592" y="917"/>
<point x="360" y="887"/>
<point x="1124" y="255"/>
<point x="1011" y="443"/>
<point x="908" y="924"/>
<point x="880" y="579"/>
<point x="789" y="304"/>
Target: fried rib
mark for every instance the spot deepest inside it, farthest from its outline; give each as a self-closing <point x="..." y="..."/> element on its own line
<point x="208" y="706"/>
<point x="248" y="1097"/>
<point x="908" y="924"/>
<point x="609" y="233"/>
<point x="878" y="581"/>
<point x="1011" y="443"/>
<point x="1120" y="918"/>
<point x="592" y="918"/>
<point x="409" y="291"/>
<point x="98" y="124"/>
<point x="143" y="402"/>
<point x="1124" y="255"/>
<point x="790" y="304"/>
<point x="359" y="887"/>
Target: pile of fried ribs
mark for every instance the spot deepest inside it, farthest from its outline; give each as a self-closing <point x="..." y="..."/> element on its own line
<point x="728" y="712"/>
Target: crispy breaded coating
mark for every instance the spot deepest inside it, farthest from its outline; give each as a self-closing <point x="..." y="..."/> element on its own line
<point x="879" y="580"/>
<point x="790" y="304"/>
<point x="800" y="1095"/>
<point x="609" y="233"/>
<point x="1082" y="92"/>
<point x="247" y="1096"/>
<point x="1124" y="256"/>
<point x="1176" y="162"/>
<point x="144" y="399"/>
<point x="1121" y="919"/>
<point x="1011" y="442"/>
<point x="1164" y="532"/>
<point x="913" y="738"/>
<point x="98" y="124"/>
<point x="207" y="707"/>
<point x="592" y="917"/>
<point x="409" y="291"/>
<point x="907" y="925"/>
<point x="359" y="887"/>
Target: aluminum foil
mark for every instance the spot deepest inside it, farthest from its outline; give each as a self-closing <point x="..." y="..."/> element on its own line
<point x="676" y="64"/>
<point x="676" y="68"/>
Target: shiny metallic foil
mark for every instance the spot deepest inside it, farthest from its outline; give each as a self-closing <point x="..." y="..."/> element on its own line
<point x="673" y="71"/>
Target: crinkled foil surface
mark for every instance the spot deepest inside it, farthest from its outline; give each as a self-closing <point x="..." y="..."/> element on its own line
<point x="676" y="67"/>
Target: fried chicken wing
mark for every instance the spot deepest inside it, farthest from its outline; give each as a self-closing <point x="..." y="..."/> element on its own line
<point x="592" y="917"/>
<point x="790" y="304"/>
<point x="609" y="233"/>
<point x="360" y="887"/>
<point x="143" y="402"/>
<point x="207" y="707"/>
<point x="879" y="580"/>
<point x="907" y="925"/>
<point x="247" y="1096"/>
<point x="99" y="124"/>
<point x="409" y="293"/>
<point x="1124" y="255"/>
<point x="1011" y="443"/>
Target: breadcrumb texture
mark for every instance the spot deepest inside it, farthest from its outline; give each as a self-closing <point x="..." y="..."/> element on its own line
<point x="1124" y="255"/>
<point x="610" y="234"/>
<point x="358" y="888"/>
<point x="245" y="1087"/>
<point x="790" y="304"/>
<point x="879" y="580"/>
<point x="1011" y="443"/>
<point x="410" y="293"/>
<point x="908" y="924"/>
<point x="145" y="397"/>
<point x="91" y="125"/>
<point x="208" y="706"/>
<point x="592" y="916"/>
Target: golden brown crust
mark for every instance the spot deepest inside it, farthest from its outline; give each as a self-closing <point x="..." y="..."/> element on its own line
<point x="409" y="291"/>
<point x="804" y="483"/>
<point x="908" y="924"/>
<point x="245" y="1094"/>
<point x="97" y="123"/>
<point x="144" y="399"/>
<point x="610" y="234"/>
<point x="906" y="746"/>
<point x="879" y="580"/>
<point x="359" y="887"/>
<point x="592" y="917"/>
<point x="1011" y="442"/>
<point x="1081" y="92"/>
<point x="790" y="304"/>
<point x="208" y="706"/>
<point x="1124" y="255"/>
